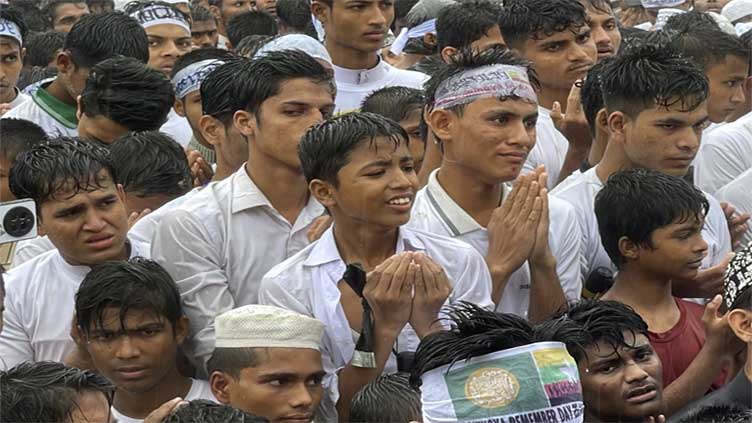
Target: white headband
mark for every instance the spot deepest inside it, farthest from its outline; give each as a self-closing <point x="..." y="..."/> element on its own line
<point x="742" y="28"/>
<point x="10" y="29"/>
<point x="405" y="35"/>
<point x="537" y="382"/>
<point x="189" y="79"/>
<point x="657" y="4"/>
<point x="160" y="15"/>
<point x="664" y="15"/>
<point x="484" y="82"/>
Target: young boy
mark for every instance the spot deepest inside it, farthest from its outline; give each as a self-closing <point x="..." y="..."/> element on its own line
<point x="554" y="36"/>
<point x="93" y="39"/>
<point x="63" y="14"/>
<point x="13" y="30"/>
<point x="486" y="131"/>
<point x="267" y="361"/>
<point x="80" y="208"/>
<point x="404" y="106"/>
<point x="132" y="325"/>
<point x="473" y="24"/>
<point x="653" y="242"/>
<point x="224" y="10"/>
<point x="203" y="28"/>
<point x="604" y="27"/>
<point x="359" y="167"/>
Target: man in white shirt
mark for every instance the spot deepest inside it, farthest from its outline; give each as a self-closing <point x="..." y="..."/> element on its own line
<point x="82" y="211"/>
<point x="355" y="31"/>
<point x="655" y="125"/>
<point x="12" y="32"/>
<point x="219" y="244"/>
<point x="555" y="37"/>
<point x="737" y="194"/>
<point x="485" y="141"/>
<point x="359" y="166"/>
<point x="91" y="40"/>
<point x="724" y="155"/>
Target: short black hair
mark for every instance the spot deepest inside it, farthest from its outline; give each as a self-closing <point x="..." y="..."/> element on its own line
<point x="129" y="93"/>
<point x="691" y="20"/>
<point x="401" y="7"/>
<point x="743" y="300"/>
<point x="36" y="20"/>
<point x="199" y="55"/>
<point x="591" y="94"/>
<point x="47" y="391"/>
<point x="388" y="398"/>
<point x="468" y="59"/>
<point x="522" y="20"/>
<point x="50" y="7"/>
<point x="707" y="45"/>
<point x="217" y="91"/>
<point x="15" y="15"/>
<point x="254" y="22"/>
<point x="137" y="284"/>
<point x="232" y="361"/>
<point x="295" y="14"/>
<point x="151" y="163"/>
<point x="395" y="103"/>
<point x="201" y="14"/>
<point x="204" y="411"/>
<point x="100" y="36"/>
<point x="719" y="414"/>
<point x="18" y="136"/>
<point x="634" y="203"/>
<point x="42" y="47"/>
<point x="249" y="45"/>
<point x="61" y="163"/>
<point x="648" y="75"/>
<point x="603" y="6"/>
<point x="326" y="147"/>
<point x="463" y="23"/>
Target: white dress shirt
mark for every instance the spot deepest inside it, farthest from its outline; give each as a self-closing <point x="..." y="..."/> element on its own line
<point x="550" y="148"/>
<point x="219" y="244"/>
<point x="436" y="212"/>
<point x="200" y="390"/>
<point x="40" y="303"/>
<point x="724" y="154"/>
<point x="738" y="194"/>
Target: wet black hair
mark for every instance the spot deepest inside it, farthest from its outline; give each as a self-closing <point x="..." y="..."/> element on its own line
<point x="199" y="55"/>
<point x="522" y="20"/>
<point x="719" y="414"/>
<point x="395" y="103"/>
<point x="135" y="285"/>
<point x="101" y="36"/>
<point x="204" y="411"/>
<point x="151" y="163"/>
<point x="326" y="147"/>
<point x="47" y="391"/>
<point x="296" y="15"/>
<point x="202" y="14"/>
<point x="388" y="398"/>
<point x="603" y="6"/>
<point x="217" y="91"/>
<point x="251" y="44"/>
<point x="463" y="23"/>
<point x="689" y="21"/>
<point x="635" y="203"/>
<point x="42" y="47"/>
<point x="254" y="22"/>
<point x="19" y="135"/>
<point x="16" y="16"/>
<point x="591" y="94"/>
<point x="36" y="20"/>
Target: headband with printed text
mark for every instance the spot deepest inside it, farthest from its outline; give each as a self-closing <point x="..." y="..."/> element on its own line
<point x="496" y="81"/>
<point x="10" y="29"/>
<point x="160" y="15"/>
<point x="658" y="4"/>
<point x="189" y="79"/>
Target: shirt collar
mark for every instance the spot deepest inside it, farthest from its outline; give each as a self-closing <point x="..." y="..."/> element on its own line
<point x="325" y="250"/>
<point x="361" y="76"/>
<point x="60" y="111"/>
<point x="453" y="216"/>
<point x="247" y="195"/>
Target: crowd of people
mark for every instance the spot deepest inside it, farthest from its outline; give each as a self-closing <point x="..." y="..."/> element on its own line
<point x="487" y="211"/>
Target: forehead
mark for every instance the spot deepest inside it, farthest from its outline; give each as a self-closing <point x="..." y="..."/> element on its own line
<point x="301" y="361"/>
<point x="71" y="9"/>
<point x="201" y="26"/>
<point x="304" y="90"/>
<point x="134" y="317"/>
<point x="167" y="31"/>
<point x="677" y="109"/>
<point x="495" y="105"/>
<point x="568" y="34"/>
<point x="602" y="349"/>
<point x="67" y="194"/>
<point x="380" y="149"/>
<point x="603" y="10"/>
<point x="9" y="44"/>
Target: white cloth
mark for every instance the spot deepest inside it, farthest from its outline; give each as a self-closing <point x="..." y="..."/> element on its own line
<point x="307" y="283"/>
<point x="218" y="245"/>
<point x="20" y="98"/>
<point x="436" y="212"/>
<point x="200" y="389"/>
<point x="737" y="193"/>
<point x="178" y="128"/>
<point x="550" y="148"/>
<point x="40" y="303"/>
<point x="28" y="249"/>
<point x="31" y="111"/>
<point x="353" y="86"/>
<point x="724" y="154"/>
<point x="580" y="190"/>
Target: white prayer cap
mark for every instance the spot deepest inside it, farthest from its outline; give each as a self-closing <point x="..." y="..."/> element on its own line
<point x="737" y="9"/>
<point x="723" y="23"/>
<point x="259" y="326"/>
<point x="300" y="42"/>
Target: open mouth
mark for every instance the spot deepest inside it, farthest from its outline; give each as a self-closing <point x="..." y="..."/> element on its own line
<point x="642" y="394"/>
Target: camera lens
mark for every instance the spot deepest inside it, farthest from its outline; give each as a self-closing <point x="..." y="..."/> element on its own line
<point x="18" y="221"/>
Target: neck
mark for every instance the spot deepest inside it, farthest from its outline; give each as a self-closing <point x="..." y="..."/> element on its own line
<point x="138" y="405"/>
<point x="613" y="160"/>
<point x="57" y="90"/>
<point x="646" y="292"/>
<point x="124" y="254"/>
<point x="349" y="58"/>
<point x="469" y="190"/>
<point x="9" y="96"/>
<point x="366" y="244"/>
<point x="225" y="167"/>
<point x="269" y="174"/>
<point x="547" y="96"/>
<point x="740" y="113"/>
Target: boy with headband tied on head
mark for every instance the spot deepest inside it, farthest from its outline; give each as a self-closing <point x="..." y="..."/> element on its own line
<point x="12" y="31"/>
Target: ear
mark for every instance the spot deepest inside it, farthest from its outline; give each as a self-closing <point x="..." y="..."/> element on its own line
<point x="617" y="123"/>
<point x="220" y="386"/>
<point x="216" y="12"/>
<point x="601" y="121"/>
<point x="23" y="53"/>
<point x="430" y="39"/>
<point x="210" y="129"/>
<point x="178" y="106"/>
<point x="748" y="86"/>
<point x="447" y="53"/>
<point x="79" y="111"/>
<point x="121" y="193"/>
<point x="324" y="192"/>
<point x="182" y="328"/>
<point x="440" y="123"/>
<point x="319" y="9"/>
<point x="740" y="322"/>
<point x="628" y="249"/>
<point x="64" y="62"/>
<point x="246" y="123"/>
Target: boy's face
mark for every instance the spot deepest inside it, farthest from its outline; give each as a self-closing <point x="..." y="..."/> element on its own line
<point x="268" y="6"/>
<point x="232" y="8"/>
<point x="664" y="138"/>
<point x="377" y="186"/>
<point x="490" y="138"/>
<point x="87" y="227"/>
<point x="677" y="252"/>
<point x="285" y="386"/>
<point x="726" y="87"/>
<point x="91" y="406"/>
<point x="10" y="67"/>
<point x="605" y="32"/>
<point x="411" y="125"/>
<point x="562" y="58"/>
<point x="204" y="33"/>
<point x="622" y="384"/>
<point x="67" y="14"/>
<point x="359" y="25"/>
<point x="137" y="353"/>
<point x="99" y="127"/>
<point x="167" y="43"/>
<point x="190" y="108"/>
<point x="5" y="194"/>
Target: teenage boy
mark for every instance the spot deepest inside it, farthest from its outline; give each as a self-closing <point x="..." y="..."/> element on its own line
<point x="359" y="167"/>
<point x="267" y="361"/>
<point x="224" y="10"/>
<point x="620" y="372"/>
<point x="63" y="14"/>
<point x="483" y="108"/>
<point x="250" y="23"/>
<point x="93" y="39"/>
<point x="122" y="95"/>
<point x="131" y="324"/>
<point x="294" y="17"/>
<point x="273" y="100"/>
<point x="655" y="125"/>
<point x="203" y="28"/>
<point x="13" y="30"/>
<point x="18" y="135"/>
<point x="555" y="37"/>
<point x="80" y="207"/>
<point x="604" y="27"/>
<point x="355" y="32"/>
<point x="404" y="106"/>
<point x="653" y="243"/>
<point x="470" y="24"/>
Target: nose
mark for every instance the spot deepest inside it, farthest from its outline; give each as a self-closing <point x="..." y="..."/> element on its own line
<point x="94" y="222"/>
<point x="377" y="17"/>
<point x="301" y="397"/>
<point x="690" y="140"/>
<point x="522" y="136"/>
<point x="400" y="180"/>
<point x="126" y="348"/>
<point x="738" y="96"/>
<point x="599" y="36"/>
<point x="634" y="373"/>
<point x="584" y="52"/>
<point x="700" y="245"/>
<point x="171" y="50"/>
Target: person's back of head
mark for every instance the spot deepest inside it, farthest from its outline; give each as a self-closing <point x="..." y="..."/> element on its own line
<point x="295" y="16"/>
<point x="52" y="392"/>
<point x="102" y="36"/>
<point x="201" y="14"/>
<point x="706" y="45"/>
<point x="591" y="95"/>
<point x="387" y="399"/>
<point x="217" y="91"/>
<point x="395" y="103"/>
<point x="689" y="21"/>
<point x="401" y="9"/>
<point x="465" y="22"/>
<point x="422" y="15"/>
<point x="254" y="22"/>
<point x="522" y="20"/>
<point x="18" y="136"/>
<point x="203" y="411"/>
<point x="42" y="48"/>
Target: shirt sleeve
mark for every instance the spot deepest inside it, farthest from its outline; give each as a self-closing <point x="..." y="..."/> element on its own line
<point x="715" y="167"/>
<point x="183" y="246"/>
<point x="474" y="281"/>
<point x="565" y="245"/>
<point x="15" y="343"/>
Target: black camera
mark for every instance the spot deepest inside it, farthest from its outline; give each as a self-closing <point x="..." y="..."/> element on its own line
<point x="18" y="220"/>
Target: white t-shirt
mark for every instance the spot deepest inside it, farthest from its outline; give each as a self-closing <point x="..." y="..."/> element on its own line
<point x="580" y="190"/>
<point x="40" y="302"/>
<point x="200" y="389"/>
<point x="353" y="86"/>
<point x="178" y="128"/>
<point x="550" y="148"/>
<point x="52" y="115"/>
<point x="436" y="212"/>
<point x="724" y="154"/>
<point x="20" y="98"/>
<point x="27" y="249"/>
<point x="738" y="193"/>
